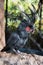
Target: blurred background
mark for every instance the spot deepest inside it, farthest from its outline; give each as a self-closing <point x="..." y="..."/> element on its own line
<point x="31" y="11"/>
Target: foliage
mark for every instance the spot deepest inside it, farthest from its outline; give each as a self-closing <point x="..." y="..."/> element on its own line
<point x="12" y="25"/>
<point x="16" y="6"/>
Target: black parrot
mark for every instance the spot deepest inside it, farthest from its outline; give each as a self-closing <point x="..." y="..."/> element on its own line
<point x="19" y="38"/>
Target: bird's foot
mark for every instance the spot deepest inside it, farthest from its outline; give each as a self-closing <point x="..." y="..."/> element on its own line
<point x="16" y="51"/>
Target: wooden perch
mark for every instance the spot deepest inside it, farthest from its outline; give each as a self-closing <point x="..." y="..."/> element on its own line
<point x="20" y="59"/>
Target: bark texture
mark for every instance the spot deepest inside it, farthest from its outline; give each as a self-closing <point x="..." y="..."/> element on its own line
<point x="2" y="25"/>
<point x="20" y="59"/>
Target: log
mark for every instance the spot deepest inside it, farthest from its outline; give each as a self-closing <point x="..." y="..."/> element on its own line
<point x="2" y="25"/>
<point x="20" y="59"/>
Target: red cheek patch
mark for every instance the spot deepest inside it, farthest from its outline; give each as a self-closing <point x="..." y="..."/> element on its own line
<point x="27" y="29"/>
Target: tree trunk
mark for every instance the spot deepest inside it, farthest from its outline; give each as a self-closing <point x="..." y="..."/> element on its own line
<point x="2" y="25"/>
